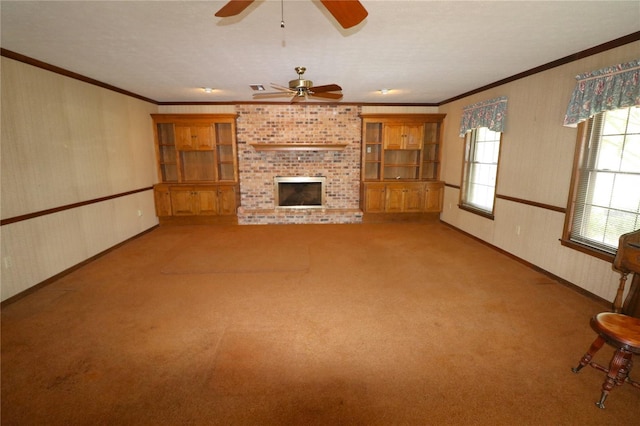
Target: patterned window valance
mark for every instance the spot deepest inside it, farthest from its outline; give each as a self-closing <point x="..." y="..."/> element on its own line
<point x="604" y="90"/>
<point x="491" y="114"/>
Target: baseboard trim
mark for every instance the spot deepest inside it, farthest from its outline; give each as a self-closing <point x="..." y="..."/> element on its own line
<point x="606" y="304"/>
<point x="67" y="271"/>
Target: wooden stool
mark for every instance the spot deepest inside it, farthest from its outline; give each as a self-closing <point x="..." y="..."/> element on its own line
<point x="623" y="333"/>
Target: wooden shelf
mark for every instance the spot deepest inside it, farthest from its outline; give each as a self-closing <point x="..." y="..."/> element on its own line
<point x="298" y="146"/>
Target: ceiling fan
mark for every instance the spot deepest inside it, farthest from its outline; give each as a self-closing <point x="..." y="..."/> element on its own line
<point x="348" y="13"/>
<point x="300" y="88"/>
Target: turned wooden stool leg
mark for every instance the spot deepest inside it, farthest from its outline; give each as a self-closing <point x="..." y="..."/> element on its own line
<point x="586" y="359"/>
<point x="617" y="374"/>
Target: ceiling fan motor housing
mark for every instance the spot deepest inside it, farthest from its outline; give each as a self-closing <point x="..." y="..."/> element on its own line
<point x="300" y="84"/>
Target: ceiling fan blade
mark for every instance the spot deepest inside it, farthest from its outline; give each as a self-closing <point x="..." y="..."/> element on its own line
<point x="327" y="95"/>
<point x="283" y="88"/>
<point x="326" y="88"/>
<point x="271" y="95"/>
<point x="348" y="13"/>
<point x="233" y="8"/>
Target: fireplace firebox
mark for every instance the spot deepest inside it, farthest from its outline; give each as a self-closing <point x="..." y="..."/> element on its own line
<point x="299" y="192"/>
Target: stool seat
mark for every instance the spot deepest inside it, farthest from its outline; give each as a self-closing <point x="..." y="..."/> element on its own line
<point x="623" y="333"/>
<point x="618" y="330"/>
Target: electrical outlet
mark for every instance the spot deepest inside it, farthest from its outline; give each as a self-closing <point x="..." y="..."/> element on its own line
<point x="139" y="213"/>
<point x="368" y="150"/>
<point x="517" y="229"/>
<point x="7" y="262"/>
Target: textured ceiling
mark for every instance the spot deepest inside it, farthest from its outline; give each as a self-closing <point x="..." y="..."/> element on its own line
<point x="424" y="51"/>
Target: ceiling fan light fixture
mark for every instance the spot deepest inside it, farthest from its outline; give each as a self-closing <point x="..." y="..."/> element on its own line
<point x="257" y="87"/>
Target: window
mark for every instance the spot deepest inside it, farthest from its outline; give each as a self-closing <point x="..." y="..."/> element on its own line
<point x="480" y="170"/>
<point x="605" y="199"/>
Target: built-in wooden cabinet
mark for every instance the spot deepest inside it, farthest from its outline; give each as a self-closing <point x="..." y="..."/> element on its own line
<point x="195" y="200"/>
<point x="197" y="165"/>
<point x="401" y="163"/>
<point x="402" y="197"/>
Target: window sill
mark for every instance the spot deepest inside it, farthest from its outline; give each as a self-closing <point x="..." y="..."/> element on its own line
<point x="603" y="255"/>
<point x="479" y="212"/>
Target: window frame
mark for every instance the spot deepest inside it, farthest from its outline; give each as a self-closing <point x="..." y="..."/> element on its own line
<point x="582" y="143"/>
<point x="470" y="141"/>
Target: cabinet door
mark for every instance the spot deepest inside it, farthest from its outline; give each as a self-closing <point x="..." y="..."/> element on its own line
<point x="207" y="202"/>
<point x="162" y="198"/>
<point x="194" y="137"/>
<point x="227" y="200"/>
<point x="183" y="202"/>
<point x="412" y="136"/>
<point x="204" y="137"/>
<point x="392" y="136"/>
<point x="413" y="196"/>
<point x="183" y="137"/>
<point x="374" y="198"/>
<point x="434" y="193"/>
<point x="403" y="136"/>
<point x="395" y="198"/>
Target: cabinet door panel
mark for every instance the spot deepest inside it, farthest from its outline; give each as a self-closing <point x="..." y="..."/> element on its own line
<point x="194" y="137"/>
<point x="207" y="202"/>
<point x="162" y="198"/>
<point x="374" y="198"/>
<point x="392" y="136"/>
<point x="434" y="194"/>
<point x="203" y="137"/>
<point x="413" y="136"/>
<point x="395" y="198"/>
<point x="182" y="202"/>
<point x="183" y="137"/>
<point x="413" y="198"/>
<point x="227" y="201"/>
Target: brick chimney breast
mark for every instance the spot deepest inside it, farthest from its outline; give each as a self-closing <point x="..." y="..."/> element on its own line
<point x="299" y="124"/>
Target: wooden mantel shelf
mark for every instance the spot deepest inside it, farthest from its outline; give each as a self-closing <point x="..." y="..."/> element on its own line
<point x="298" y="146"/>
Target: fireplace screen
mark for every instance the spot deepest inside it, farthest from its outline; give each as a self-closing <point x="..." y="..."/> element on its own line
<point x="299" y="192"/>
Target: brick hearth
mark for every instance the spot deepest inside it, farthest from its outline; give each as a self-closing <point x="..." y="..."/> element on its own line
<point x="296" y="124"/>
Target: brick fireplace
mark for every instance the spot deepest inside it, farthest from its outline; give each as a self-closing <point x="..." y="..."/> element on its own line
<point x="304" y="126"/>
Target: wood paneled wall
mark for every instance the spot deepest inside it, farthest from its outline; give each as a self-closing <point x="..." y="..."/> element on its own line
<point x="535" y="166"/>
<point x="66" y="142"/>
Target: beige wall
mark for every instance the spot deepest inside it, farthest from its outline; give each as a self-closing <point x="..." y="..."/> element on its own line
<point x="66" y="142"/>
<point x="535" y="165"/>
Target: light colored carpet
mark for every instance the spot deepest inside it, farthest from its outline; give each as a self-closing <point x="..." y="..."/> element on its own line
<point x="230" y="258"/>
<point x="386" y="324"/>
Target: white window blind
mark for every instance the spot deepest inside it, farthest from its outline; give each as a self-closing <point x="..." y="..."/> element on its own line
<point x="481" y="169"/>
<point x="607" y="199"/>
